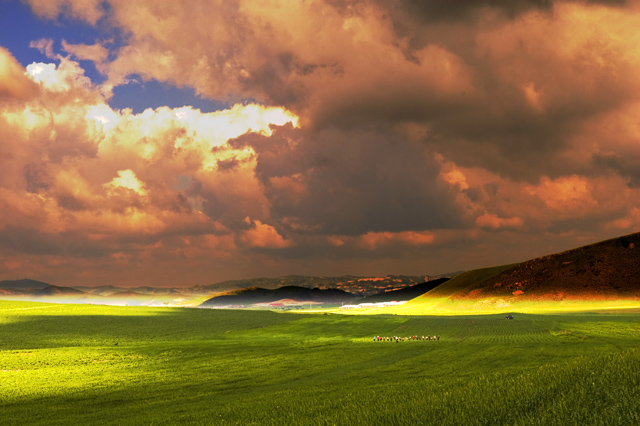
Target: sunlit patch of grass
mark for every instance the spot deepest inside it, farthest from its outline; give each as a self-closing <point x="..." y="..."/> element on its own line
<point x="496" y="305"/>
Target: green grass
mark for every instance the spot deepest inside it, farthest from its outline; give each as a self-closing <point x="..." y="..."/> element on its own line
<point x="60" y="365"/>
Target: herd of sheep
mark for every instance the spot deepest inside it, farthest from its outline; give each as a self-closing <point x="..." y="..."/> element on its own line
<point x="402" y="339"/>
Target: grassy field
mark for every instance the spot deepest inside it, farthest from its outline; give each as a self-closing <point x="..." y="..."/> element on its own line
<point x="98" y="365"/>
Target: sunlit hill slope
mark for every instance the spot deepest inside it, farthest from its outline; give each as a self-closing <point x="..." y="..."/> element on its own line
<point x="601" y="274"/>
<point x="406" y="293"/>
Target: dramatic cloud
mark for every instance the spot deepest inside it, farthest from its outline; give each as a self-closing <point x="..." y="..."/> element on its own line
<point x="351" y="181"/>
<point x="362" y="136"/>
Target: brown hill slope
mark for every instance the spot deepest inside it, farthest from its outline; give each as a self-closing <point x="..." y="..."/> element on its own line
<point x="605" y="270"/>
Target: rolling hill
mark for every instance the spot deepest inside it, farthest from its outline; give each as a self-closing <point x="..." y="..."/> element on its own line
<point x="608" y="269"/>
<point x="24" y="284"/>
<point x="407" y="293"/>
<point x="32" y="290"/>
<point x="256" y="295"/>
<point x="27" y="287"/>
<point x="605" y="271"/>
<point x="465" y="280"/>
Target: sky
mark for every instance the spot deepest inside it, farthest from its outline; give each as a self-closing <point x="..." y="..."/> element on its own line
<point x="190" y="142"/>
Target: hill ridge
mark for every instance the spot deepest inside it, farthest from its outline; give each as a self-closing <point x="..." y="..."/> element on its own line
<point x="24" y="284"/>
<point x="607" y="270"/>
<point x="254" y="295"/>
<point x="403" y="294"/>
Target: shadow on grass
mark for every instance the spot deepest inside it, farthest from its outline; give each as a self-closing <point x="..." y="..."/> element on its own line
<point x="111" y="326"/>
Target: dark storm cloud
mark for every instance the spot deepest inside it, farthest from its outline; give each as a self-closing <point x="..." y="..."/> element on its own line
<point x="273" y="78"/>
<point x="626" y="166"/>
<point x="433" y="11"/>
<point x="352" y="182"/>
<point x="529" y="95"/>
<point x="227" y="164"/>
<point x="36" y="178"/>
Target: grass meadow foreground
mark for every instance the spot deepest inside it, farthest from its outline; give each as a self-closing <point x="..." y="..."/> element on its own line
<point x="99" y="365"/>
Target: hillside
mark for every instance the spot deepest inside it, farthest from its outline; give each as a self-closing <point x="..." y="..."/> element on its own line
<point x="431" y="301"/>
<point x="577" y="279"/>
<point x="24" y="284"/>
<point x="466" y="280"/>
<point x="31" y="290"/>
<point x="255" y="295"/>
<point x="608" y="269"/>
<point x="407" y="293"/>
<point x="27" y="288"/>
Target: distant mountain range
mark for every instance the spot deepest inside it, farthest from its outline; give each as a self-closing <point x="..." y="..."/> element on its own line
<point x="27" y="289"/>
<point x="342" y="289"/>
<point x="359" y="285"/>
<point x="108" y="290"/>
<point x="25" y="284"/>
<point x="35" y="288"/>
<point x="294" y="295"/>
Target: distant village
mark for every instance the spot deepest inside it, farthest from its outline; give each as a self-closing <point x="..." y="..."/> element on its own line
<point x="375" y="285"/>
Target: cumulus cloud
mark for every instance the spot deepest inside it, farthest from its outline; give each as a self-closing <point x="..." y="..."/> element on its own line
<point x="126" y="180"/>
<point x="81" y="180"/>
<point x="262" y="235"/>
<point x="87" y="10"/>
<point x="471" y="73"/>
<point x="94" y="52"/>
<point x="488" y="220"/>
<point x="373" y="240"/>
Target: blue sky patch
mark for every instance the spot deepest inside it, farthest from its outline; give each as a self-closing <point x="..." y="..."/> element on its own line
<point x="19" y="27"/>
